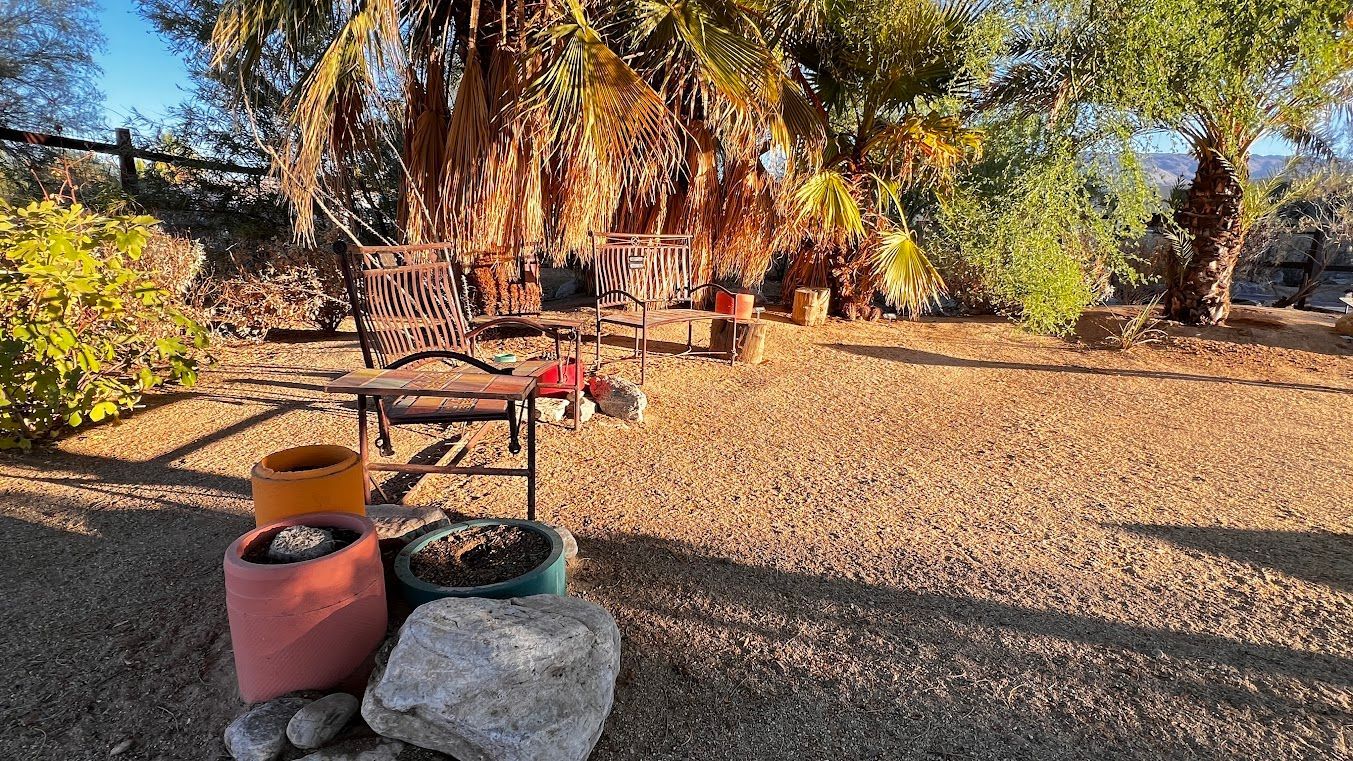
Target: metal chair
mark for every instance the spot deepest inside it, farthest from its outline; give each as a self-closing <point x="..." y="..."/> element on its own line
<point x="642" y="281"/>
<point x="409" y="311"/>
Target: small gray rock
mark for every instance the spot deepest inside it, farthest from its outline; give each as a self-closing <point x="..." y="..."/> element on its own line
<point x="405" y="521"/>
<point x="566" y="289"/>
<point x="551" y="410"/>
<point x="121" y="747"/>
<point x="619" y="398"/>
<point x="260" y="733"/>
<point x="586" y="409"/>
<point x="296" y="543"/>
<point x="366" y="749"/>
<point x="570" y="544"/>
<point x="319" y="722"/>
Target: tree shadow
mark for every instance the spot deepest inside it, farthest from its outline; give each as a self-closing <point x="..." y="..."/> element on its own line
<point x="731" y="660"/>
<point x="918" y="357"/>
<point x="1321" y="557"/>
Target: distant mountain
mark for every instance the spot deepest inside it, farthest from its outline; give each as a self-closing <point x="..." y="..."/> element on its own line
<point x="1165" y="170"/>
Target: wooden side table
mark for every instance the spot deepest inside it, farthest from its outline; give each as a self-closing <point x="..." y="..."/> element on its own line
<point x="430" y="388"/>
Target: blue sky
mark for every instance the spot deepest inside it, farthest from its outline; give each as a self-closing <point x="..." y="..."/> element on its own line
<point x="139" y="71"/>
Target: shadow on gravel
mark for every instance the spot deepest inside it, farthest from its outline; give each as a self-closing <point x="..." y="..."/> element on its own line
<point x="729" y="660"/>
<point x="1321" y="557"/>
<point x="917" y="357"/>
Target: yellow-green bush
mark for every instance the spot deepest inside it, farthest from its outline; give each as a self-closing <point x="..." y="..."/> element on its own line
<point x="82" y="332"/>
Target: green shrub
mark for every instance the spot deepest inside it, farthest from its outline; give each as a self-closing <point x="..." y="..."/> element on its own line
<point x="82" y="332"/>
<point x="1039" y="232"/>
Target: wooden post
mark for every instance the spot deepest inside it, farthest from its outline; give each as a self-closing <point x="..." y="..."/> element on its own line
<point x="126" y="159"/>
<point x="751" y="339"/>
<point x="810" y="306"/>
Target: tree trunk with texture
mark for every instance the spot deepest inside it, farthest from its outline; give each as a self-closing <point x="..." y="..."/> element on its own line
<point x="851" y="278"/>
<point x="498" y="288"/>
<point x="1200" y="294"/>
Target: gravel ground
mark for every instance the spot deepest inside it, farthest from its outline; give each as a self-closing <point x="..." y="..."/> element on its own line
<point x="945" y="539"/>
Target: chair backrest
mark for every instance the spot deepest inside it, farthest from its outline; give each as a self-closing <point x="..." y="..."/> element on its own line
<point x="404" y="300"/>
<point x="655" y="268"/>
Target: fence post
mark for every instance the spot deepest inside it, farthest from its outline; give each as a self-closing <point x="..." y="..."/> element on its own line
<point x="126" y="159"/>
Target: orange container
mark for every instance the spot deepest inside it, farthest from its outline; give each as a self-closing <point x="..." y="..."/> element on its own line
<point x="306" y="480"/>
<point x="307" y="625"/>
<point x="724" y="304"/>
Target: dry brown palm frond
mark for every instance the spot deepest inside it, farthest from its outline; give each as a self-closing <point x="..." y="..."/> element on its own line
<point x="424" y="142"/>
<point x="746" y="237"/>
<point x="467" y="146"/>
<point x="611" y="135"/>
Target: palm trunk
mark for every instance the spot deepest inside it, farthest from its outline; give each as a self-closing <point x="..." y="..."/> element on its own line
<point x="503" y="287"/>
<point x="851" y="278"/>
<point x="1200" y="293"/>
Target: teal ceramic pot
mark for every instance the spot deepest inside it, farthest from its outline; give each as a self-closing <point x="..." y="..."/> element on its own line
<point x="548" y="578"/>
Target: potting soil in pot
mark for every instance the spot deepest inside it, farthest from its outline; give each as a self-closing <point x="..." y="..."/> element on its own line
<point x="480" y="555"/>
<point x="295" y="544"/>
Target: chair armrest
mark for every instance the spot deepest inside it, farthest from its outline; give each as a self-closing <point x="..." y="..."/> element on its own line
<point x="441" y="354"/>
<point x="554" y="331"/>
<point x="626" y="294"/>
<point x="715" y="286"/>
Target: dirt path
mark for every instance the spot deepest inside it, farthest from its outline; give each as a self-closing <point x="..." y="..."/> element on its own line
<point x="936" y="540"/>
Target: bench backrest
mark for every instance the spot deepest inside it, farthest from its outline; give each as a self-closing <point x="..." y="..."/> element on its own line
<point x="655" y="268"/>
<point x="404" y="300"/>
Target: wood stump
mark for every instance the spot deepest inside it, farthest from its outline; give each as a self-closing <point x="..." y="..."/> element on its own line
<point x="810" y="306"/>
<point x="751" y="339"/>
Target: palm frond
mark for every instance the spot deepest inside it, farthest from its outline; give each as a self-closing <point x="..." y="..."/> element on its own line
<point x="909" y="281"/>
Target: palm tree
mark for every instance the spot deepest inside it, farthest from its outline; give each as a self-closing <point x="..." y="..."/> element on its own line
<point x="1221" y="74"/>
<point x="534" y="121"/>
<point x="891" y="81"/>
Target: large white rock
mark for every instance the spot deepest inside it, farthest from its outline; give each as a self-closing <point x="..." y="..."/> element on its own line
<point x="529" y="679"/>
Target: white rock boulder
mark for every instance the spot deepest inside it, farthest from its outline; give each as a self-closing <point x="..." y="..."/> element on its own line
<point x="528" y="679"/>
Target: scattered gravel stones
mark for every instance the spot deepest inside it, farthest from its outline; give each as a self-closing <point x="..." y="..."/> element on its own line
<point x="260" y="733"/>
<point x="619" y="397"/>
<point x="366" y="749"/>
<point x="294" y="544"/>
<point x="318" y="723"/>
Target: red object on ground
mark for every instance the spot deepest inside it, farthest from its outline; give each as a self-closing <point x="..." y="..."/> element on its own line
<point x="552" y="375"/>
<point x="723" y="303"/>
<point x="307" y="625"/>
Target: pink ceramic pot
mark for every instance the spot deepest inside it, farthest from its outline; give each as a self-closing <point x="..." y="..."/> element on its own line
<point x="307" y="625"/>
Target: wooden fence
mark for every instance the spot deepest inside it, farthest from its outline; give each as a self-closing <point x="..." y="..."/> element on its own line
<point x="126" y="153"/>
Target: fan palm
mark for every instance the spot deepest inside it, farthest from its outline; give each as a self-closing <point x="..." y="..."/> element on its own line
<point x="1221" y="74"/>
<point x="891" y="81"/>
<point x="536" y="121"/>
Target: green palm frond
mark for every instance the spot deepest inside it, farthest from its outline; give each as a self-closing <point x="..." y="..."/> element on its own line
<point x="909" y="281"/>
<point x="828" y="209"/>
<point x="601" y="112"/>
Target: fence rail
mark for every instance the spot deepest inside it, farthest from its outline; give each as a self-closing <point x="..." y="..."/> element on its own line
<point x="126" y="152"/>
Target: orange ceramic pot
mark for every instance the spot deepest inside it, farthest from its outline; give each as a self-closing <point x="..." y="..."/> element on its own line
<point x="307" y="625"/>
<point x="724" y="304"/>
<point x="308" y="479"/>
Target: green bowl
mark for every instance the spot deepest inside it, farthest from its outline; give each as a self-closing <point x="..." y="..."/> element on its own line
<point x="548" y="578"/>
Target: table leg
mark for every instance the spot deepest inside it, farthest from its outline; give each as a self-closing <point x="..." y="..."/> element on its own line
<point x="361" y="447"/>
<point x="531" y="458"/>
